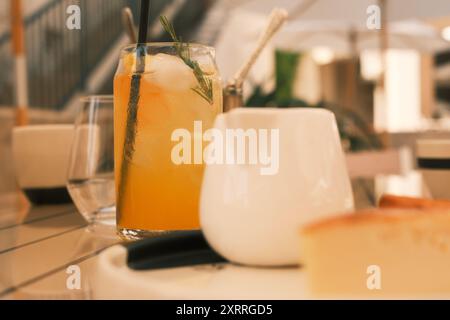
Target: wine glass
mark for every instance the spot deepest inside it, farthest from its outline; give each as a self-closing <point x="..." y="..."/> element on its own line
<point x="91" y="167"/>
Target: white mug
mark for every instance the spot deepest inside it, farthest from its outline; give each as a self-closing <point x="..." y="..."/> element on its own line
<point x="41" y="159"/>
<point x="251" y="213"/>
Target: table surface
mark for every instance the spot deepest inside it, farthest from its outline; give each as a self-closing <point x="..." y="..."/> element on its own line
<point x="38" y="244"/>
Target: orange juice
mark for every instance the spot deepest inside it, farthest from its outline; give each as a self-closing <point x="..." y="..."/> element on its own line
<point x="159" y="194"/>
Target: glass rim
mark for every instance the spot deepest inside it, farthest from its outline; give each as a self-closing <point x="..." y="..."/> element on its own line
<point x="168" y="45"/>
<point x="106" y="98"/>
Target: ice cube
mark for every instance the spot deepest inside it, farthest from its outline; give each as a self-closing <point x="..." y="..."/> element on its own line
<point x="206" y="64"/>
<point x="169" y="72"/>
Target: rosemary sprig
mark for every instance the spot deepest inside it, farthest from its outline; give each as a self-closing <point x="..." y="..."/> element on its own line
<point x="205" y="86"/>
<point x="131" y="124"/>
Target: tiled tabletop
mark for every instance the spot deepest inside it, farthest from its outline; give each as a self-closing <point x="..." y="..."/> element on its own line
<point x="38" y="244"/>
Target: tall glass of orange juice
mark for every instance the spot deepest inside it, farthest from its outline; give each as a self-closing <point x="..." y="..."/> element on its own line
<point x="154" y="191"/>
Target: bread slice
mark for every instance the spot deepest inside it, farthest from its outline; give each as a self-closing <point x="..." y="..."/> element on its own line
<point x="393" y="201"/>
<point x="398" y="253"/>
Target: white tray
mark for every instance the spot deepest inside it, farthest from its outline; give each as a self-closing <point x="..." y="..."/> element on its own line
<point x="114" y="280"/>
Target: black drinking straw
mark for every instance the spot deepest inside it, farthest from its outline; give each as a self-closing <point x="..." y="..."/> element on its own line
<point x="133" y="102"/>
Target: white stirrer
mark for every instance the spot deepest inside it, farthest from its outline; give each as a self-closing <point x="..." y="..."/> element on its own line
<point x="276" y="19"/>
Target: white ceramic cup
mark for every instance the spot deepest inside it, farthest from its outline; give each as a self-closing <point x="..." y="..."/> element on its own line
<point x="41" y="158"/>
<point x="254" y="218"/>
<point x="433" y="159"/>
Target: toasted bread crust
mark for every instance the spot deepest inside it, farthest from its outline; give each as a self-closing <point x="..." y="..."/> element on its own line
<point x="376" y="216"/>
<point x="393" y="201"/>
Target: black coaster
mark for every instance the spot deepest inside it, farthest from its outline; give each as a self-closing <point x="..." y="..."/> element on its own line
<point x="40" y="196"/>
<point x="175" y="249"/>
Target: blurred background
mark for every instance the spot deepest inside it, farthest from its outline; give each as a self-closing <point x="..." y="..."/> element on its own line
<point x="388" y="87"/>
